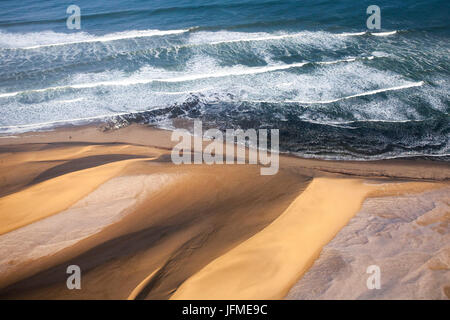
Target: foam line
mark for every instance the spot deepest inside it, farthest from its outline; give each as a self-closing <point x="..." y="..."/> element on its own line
<point x="133" y="34"/>
<point x="383" y="34"/>
<point x="284" y="36"/>
<point x="127" y="82"/>
<point x="351" y="34"/>
<point x="112" y="37"/>
<point x="378" y="34"/>
<point x="70" y="100"/>
<point x="367" y="93"/>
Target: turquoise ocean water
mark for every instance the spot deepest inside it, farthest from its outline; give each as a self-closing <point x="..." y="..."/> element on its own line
<point x="309" y="68"/>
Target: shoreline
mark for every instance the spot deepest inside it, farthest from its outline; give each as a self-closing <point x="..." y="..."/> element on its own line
<point x="105" y="127"/>
<point x="150" y="136"/>
<point x="199" y="220"/>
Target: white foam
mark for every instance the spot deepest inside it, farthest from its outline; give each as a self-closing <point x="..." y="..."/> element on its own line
<point x="340" y="61"/>
<point x="261" y="38"/>
<point x="56" y="122"/>
<point x="352" y="34"/>
<point x="383" y="34"/>
<point x="367" y="93"/>
<point x="35" y="40"/>
<point x="91" y="103"/>
<point x="329" y="85"/>
<point x="218" y="73"/>
<point x="320" y="85"/>
<point x="237" y="71"/>
<point x="378" y="34"/>
<point x="70" y="100"/>
<point x="317" y="38"/>
<point x="175" y="93"/>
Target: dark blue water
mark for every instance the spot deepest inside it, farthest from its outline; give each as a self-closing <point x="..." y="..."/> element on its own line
<point x="308" y="68"/>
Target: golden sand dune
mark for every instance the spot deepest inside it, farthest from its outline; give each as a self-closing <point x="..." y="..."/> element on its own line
<point x="179" y="228"/>
<point x="406" y="236"/>
<point x="53" y="196"/>
<point x="141" y="227"/>
<point x="268" y="264"/>
<point x="109" y="203"/>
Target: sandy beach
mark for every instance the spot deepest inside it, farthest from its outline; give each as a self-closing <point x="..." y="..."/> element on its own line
<point x="141" y="227"/>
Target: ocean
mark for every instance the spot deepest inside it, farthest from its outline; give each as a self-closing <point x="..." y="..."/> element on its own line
<point x="311" y="69"/>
